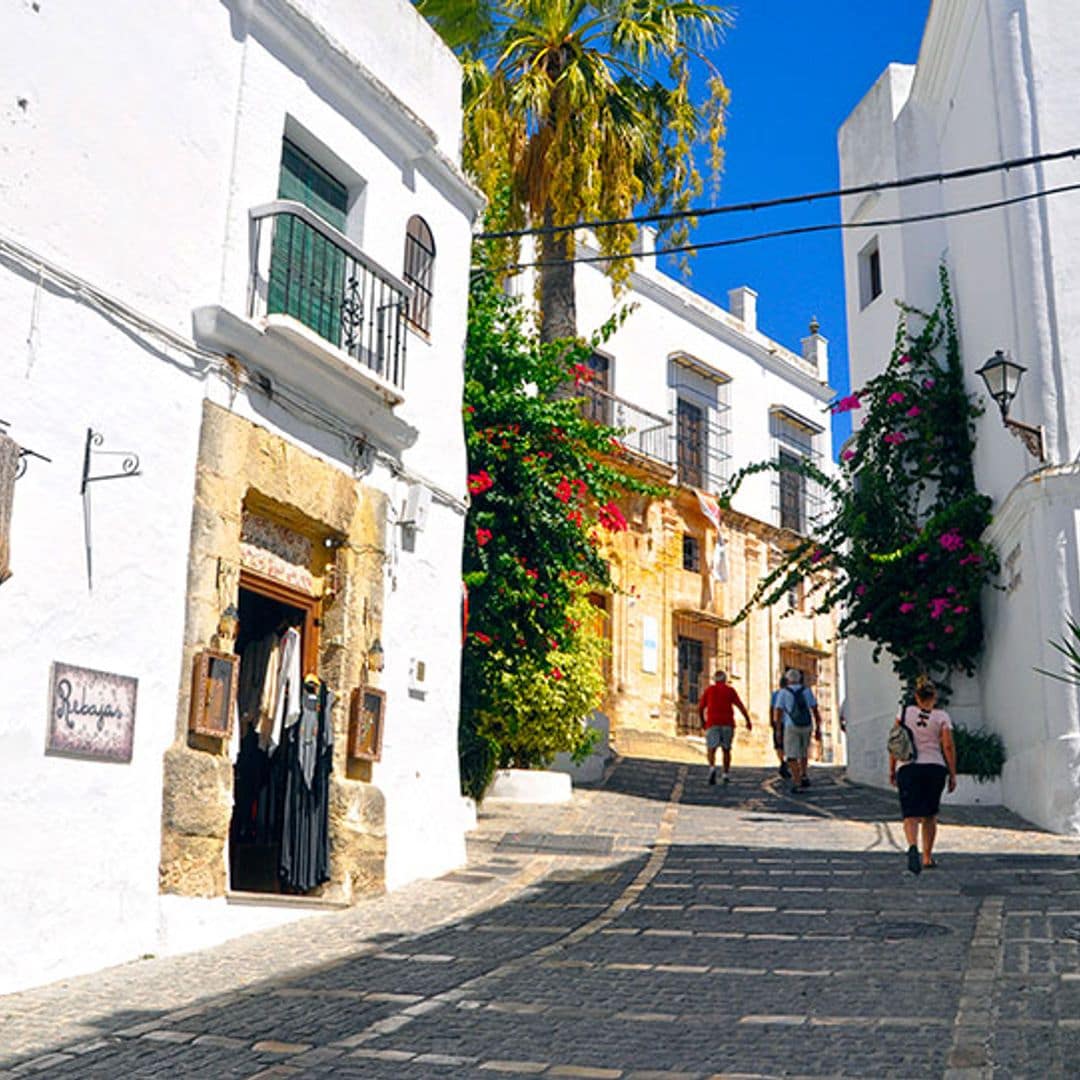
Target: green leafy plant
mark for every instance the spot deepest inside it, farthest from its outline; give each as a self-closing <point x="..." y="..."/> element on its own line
<point x="978" y="753"/>
<point x="544" y="486"/>
<point x="1070" y="649"/>
<point x="899" y="548"/>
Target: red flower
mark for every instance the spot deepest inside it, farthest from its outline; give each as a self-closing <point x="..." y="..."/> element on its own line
<point x="532" y="574"/>
<point x="556" y="674"/>
<point x="575" y="517"/>
<point x="480" y="482"/>
<point x="482" y="536"/>
<point x="482" y="638"/>
<point x="563" y="491"/>
<point x="611" y="518"/>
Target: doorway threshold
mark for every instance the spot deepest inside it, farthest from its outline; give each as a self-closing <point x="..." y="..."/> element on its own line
<point x="262" y="899"/>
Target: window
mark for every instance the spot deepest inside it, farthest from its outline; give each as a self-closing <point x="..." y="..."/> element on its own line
<point x="699" y="413"/>
<point x="594" y="386"/>
<point x="691" y="553"/>
<point x="419" y="272"/>
<point x="689" y="441"/>
<point x="792" y="493"/>
<point x="307" y="271"/>
<point x="869" y="273"/>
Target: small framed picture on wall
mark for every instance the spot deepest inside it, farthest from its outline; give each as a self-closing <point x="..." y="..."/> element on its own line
<point x="366" y="711"/>
<point x="213" y="693"/>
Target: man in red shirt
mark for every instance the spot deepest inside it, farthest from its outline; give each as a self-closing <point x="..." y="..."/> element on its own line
<point x="717" y="707"/>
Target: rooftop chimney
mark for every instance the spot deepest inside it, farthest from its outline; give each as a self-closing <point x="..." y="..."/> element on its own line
<point x="742" y="303"/>
<point x="815" y="350"/>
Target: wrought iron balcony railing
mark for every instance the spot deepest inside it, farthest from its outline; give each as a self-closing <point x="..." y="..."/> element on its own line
<point x="305" y="268"/>
<point x="644" y="432"/>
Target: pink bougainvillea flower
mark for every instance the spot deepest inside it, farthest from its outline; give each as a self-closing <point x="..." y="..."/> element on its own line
<point x="897" y="397"/>
<point x="895" y="438"/>
<point x="960" y="609"/>
<point x="818" y="555"/>
<point x="923" y="557"/>
<point x="951" y="540"/>
<point x="860" y="590"/>
<point x="928" y="384"/>
<point x="846" y="404"/>
<point x="950" y="629"/>
<point x="951" y="590"/>
<point x="976" y="559"/>
<point x="847" y="455"/>
<point x="913" y="411"/>
<point x="906" y="608"/>
<point x="482" y="536"/>
<point x="931" y="646"/>
<point x="938" y="606"/>
<point x="905" y="359"/>
<point x="479" y="482"/>
<point x="482" y="638"/>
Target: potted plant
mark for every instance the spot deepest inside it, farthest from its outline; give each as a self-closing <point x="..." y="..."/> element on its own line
<point x="980" y="757"/>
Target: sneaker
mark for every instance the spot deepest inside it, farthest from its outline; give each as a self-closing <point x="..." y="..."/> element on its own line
<point x="712" y="777"/>
<point x="914" y="863"/>
<point x="784" y="771"/>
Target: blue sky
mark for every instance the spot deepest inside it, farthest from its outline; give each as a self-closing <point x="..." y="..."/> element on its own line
<point x="796" y="70"/>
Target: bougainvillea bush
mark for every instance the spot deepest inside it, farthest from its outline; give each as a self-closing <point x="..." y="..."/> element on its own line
<point x="544" y="488"/>
<point x="901" y="534"/>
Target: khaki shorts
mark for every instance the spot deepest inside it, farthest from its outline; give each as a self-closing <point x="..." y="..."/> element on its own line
<point x="796" y="742"/>
<point x="719" y="735"/>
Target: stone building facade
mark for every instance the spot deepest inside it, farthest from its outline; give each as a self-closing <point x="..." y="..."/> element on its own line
<point x="702" y="392"/>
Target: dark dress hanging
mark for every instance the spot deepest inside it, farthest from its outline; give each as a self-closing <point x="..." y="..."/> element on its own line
<point x="308" y="750"/>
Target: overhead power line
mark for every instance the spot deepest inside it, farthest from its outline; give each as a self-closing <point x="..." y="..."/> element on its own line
<point x="789" y="200"/>
<point x="801" y="230"/>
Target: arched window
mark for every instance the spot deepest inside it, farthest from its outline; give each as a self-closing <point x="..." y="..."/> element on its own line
<point x="419" y="271"/>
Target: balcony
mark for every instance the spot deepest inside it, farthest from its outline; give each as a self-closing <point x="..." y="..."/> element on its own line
<point x="644" y="433"/>
<point x="310" y="281"/>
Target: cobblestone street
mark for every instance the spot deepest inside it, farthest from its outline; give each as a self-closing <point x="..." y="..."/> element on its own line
<point x="654" y="927"/>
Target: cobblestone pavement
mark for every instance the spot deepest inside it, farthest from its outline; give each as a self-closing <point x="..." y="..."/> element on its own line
<point x="655" y="927"/>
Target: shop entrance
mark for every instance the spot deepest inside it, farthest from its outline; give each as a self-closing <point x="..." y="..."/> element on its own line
<point x="277" y="642"/>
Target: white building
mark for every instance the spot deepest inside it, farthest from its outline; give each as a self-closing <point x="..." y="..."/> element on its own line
<point x="702" y="392"/>
<point x="234" y="242"/>
<point x="995" y="80"/>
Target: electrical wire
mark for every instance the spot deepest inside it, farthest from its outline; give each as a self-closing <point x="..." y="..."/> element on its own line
<point x="800" y="230"/>
<point x="291" y="402"/>
<point x="789" y="200"/>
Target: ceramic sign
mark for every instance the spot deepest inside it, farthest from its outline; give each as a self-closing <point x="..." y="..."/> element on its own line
<point x="91" y="713"/>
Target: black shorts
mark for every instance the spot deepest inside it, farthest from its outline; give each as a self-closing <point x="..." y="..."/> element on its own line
<point x="920" y="789"/>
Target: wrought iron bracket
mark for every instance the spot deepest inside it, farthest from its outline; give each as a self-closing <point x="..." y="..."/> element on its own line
<point x="1031" y="436"/>
<point x="129" y="464"/>
<point x="24" y="453"/>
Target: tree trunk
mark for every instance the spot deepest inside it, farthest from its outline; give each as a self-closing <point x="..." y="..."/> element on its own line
<point x="558" y="309"/>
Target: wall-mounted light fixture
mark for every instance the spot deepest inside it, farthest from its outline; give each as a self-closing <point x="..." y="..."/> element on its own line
<point x="1002" y="375"/>
<point x="375" y="656"/>
<point x="229" y="623"/>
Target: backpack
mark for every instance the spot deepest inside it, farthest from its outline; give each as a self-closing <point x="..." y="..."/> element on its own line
<point x="800" y="710"/>
<point x="900" y="743"/>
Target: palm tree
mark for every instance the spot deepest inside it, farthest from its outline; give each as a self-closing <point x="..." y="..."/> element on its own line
<point x="580" y="110"/>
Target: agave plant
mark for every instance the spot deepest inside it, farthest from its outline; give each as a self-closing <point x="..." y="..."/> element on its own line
<point x="1071" y="651"/>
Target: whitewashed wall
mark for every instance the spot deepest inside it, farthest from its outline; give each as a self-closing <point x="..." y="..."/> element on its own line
<point x="133" y="146"/>
<point x="668" y="318"/>
<point x="994" y="80"/>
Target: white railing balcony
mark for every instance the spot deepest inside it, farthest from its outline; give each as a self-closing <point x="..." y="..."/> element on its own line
<point x="643" y="432"/>
<point x="305" y="269"/>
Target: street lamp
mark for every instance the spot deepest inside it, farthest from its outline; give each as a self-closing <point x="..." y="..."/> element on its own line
<point x="1002" y="378"/>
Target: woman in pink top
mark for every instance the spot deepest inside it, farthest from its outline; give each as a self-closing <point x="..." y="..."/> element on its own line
<point x="922" y="780"/>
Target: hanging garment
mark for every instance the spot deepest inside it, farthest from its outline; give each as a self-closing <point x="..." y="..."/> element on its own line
<point x="254" y="663"/>
<point x="308" y="751"/>
<point x="285" y="710"/>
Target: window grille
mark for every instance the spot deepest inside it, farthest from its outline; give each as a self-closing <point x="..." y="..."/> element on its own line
<point x="700" y="432"/>
<point x="419" y="272"/>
